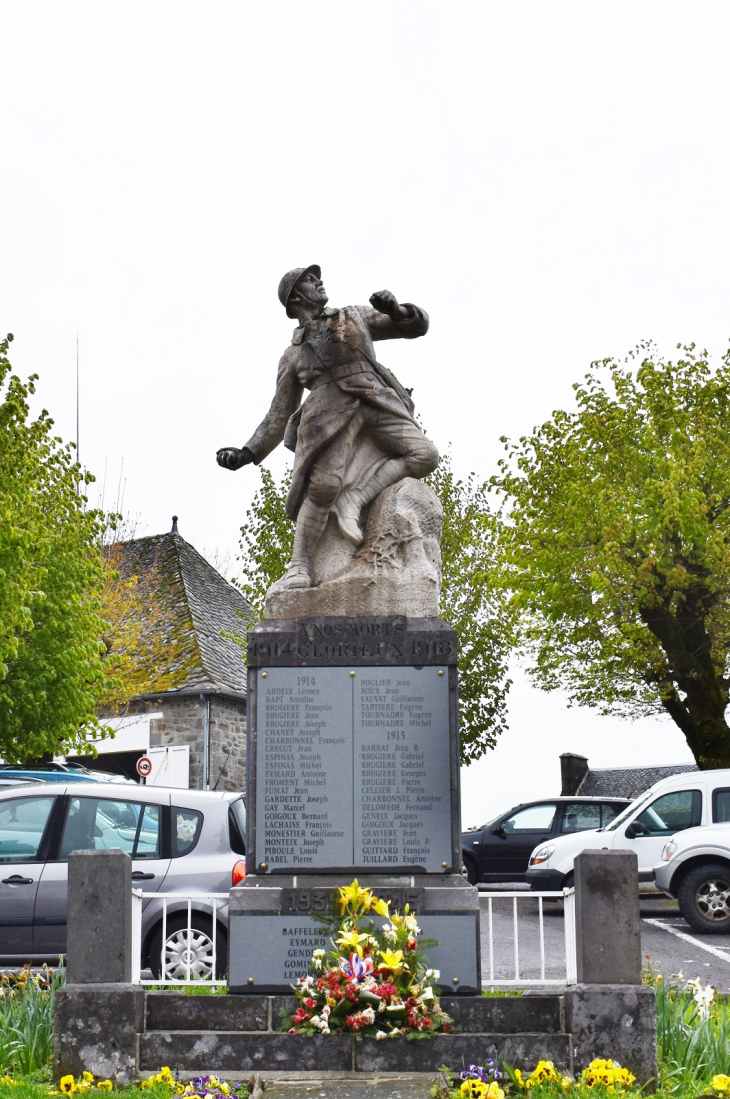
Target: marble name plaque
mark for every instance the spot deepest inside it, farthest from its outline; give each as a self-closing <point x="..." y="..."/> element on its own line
<point x="352" y="769"/>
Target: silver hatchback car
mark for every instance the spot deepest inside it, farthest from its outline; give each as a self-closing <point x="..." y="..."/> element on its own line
<point x="180" y="841"/>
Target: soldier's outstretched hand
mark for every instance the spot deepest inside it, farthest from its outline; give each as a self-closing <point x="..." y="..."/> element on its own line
<point x="384" y="302"/>
<point x="230" y="457"/>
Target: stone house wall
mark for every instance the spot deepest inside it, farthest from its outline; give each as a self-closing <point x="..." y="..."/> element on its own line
<point x="182" y="723"/>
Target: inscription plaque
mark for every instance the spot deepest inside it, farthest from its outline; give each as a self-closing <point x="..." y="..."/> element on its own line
<point x="353" y="769"/>
<point x="272" y="952"/>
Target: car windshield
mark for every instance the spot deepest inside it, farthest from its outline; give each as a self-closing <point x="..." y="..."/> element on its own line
<point x="629" y="811"/>
<point x="489" y="823"/>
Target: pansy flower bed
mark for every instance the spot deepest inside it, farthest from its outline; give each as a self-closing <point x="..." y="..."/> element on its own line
<point x="375" y="981"/>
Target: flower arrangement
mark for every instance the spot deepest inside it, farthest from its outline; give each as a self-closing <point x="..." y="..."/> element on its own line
<point x="375" y="981"/>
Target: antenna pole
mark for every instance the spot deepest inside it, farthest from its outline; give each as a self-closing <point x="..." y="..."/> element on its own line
<point x="77" y="397"/>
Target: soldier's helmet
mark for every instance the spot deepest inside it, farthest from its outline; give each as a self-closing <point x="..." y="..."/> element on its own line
<point x="290" y="280"/>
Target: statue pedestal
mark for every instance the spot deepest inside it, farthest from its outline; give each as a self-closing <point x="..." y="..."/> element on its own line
<point x="396" y="571"/>
<point x="353" y="770"/>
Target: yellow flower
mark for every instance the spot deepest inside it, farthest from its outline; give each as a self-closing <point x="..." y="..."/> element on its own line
<point x="494" y="1091"/>
<point x="392" y="959"/>
<point x="354" y="895"/>
<point x="381" y="907"/>
<point x="165" y="1076"/>
<point x="224" y="1089"/>
<point x="352" y="939"/>
<point x="105" y="1085"/>
<point x="474" y="1089"/>
<point x="67" y="1084"/>
<point x="565" y="1083"/>
<point x="518" y="1078"/>
<point x="721" y="1082"/>
<point x="87" y="1077"/>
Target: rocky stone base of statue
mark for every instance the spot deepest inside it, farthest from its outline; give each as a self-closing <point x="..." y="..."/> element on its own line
<point x="397" y="569"/>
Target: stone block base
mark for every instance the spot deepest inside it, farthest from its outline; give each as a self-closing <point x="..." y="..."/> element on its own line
<point x="96" y="1027"/>
<point x="616" y="1021"/>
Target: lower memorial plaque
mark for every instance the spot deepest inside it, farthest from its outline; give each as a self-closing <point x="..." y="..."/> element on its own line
<point x="274" y="951"/>
<point x="353" y="769"/>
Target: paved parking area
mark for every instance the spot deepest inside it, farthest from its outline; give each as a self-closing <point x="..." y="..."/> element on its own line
<point x="668" y="943"/>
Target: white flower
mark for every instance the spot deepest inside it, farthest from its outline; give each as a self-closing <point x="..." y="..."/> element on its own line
<point x="394" y="1033"/>
<point x="318" y="953"/>
<point x="380" y="1034"/>
<point x="326" y="1012"/>
<point x="368" y="1015"/>
<point x="433" y="974"/>
<point x="315" y="1020"/>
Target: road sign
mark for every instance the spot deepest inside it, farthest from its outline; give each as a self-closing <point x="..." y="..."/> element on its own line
<point x="144" y="766"/>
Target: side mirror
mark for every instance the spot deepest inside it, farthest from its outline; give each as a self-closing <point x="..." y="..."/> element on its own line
<point x="499" y="831"/>
<point x="634" y="829"/>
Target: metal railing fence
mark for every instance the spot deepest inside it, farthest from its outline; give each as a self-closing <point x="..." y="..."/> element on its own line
<point x="489" y="980"/>
<point x="212" y="903"/>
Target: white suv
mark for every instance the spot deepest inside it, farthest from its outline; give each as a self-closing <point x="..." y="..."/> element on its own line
<point x="678" y="802"/>
<point x="695" y="868"/>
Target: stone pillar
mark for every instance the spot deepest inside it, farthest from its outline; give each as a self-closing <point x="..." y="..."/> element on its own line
<point x="608" y="939"/>
<point x="608" y="1013"/>
<point x="99" y="1014"/>
<point x="99" y="917"/>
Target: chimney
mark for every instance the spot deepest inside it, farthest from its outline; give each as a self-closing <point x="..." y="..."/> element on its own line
<point x="573" y="769"/>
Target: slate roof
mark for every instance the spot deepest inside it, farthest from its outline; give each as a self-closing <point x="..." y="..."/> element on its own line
<point x="194" y="604"/>
<point x="627" y="782"/>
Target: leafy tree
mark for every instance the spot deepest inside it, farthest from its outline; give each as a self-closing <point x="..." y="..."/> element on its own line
<point x="51" y="576"/>
<point x="617" y="537"/>
<point x="475" y="607"/>
<point x="267" y="540"/>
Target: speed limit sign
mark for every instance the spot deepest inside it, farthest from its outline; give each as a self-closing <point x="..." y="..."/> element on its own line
<point x="144" y="766"/>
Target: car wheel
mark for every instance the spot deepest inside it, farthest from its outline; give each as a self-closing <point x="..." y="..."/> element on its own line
<point x="191" y="946"/>
<point x="469" y="870"/>
<point x="704" y="898"/>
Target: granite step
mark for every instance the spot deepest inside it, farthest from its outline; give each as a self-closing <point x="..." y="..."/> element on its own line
<point x="172" y="1011"/>
<point x="240" y="1051"/>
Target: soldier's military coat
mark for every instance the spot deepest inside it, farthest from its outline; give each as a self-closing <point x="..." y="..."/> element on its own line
<point x="333" y="356"/>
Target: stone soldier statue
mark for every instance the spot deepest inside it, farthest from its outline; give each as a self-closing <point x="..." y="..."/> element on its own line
<point x="351" y="397"/>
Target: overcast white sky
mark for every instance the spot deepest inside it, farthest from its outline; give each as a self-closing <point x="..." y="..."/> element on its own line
<point x="548" y="179"/>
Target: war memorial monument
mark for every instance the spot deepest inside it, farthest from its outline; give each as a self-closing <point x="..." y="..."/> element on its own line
<point x="353" y="748"/>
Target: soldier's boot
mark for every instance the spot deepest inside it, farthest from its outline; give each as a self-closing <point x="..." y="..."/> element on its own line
<point x="311" y="521"/>
<point x="350" y="504"/>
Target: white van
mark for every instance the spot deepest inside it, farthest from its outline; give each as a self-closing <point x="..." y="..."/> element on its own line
<point x="680" y="801"/>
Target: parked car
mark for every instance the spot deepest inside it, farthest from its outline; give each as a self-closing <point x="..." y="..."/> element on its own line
<point x="695" y="868"/>
<point x="669" y="806"/>
<point x="58" y="772"/>
<point x="180" y="841"/>
<point x="501" y="848"/>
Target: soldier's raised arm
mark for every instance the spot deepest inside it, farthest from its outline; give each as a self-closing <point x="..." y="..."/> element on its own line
<point x="388" y="320"/>
<point x="270" y="431"/>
